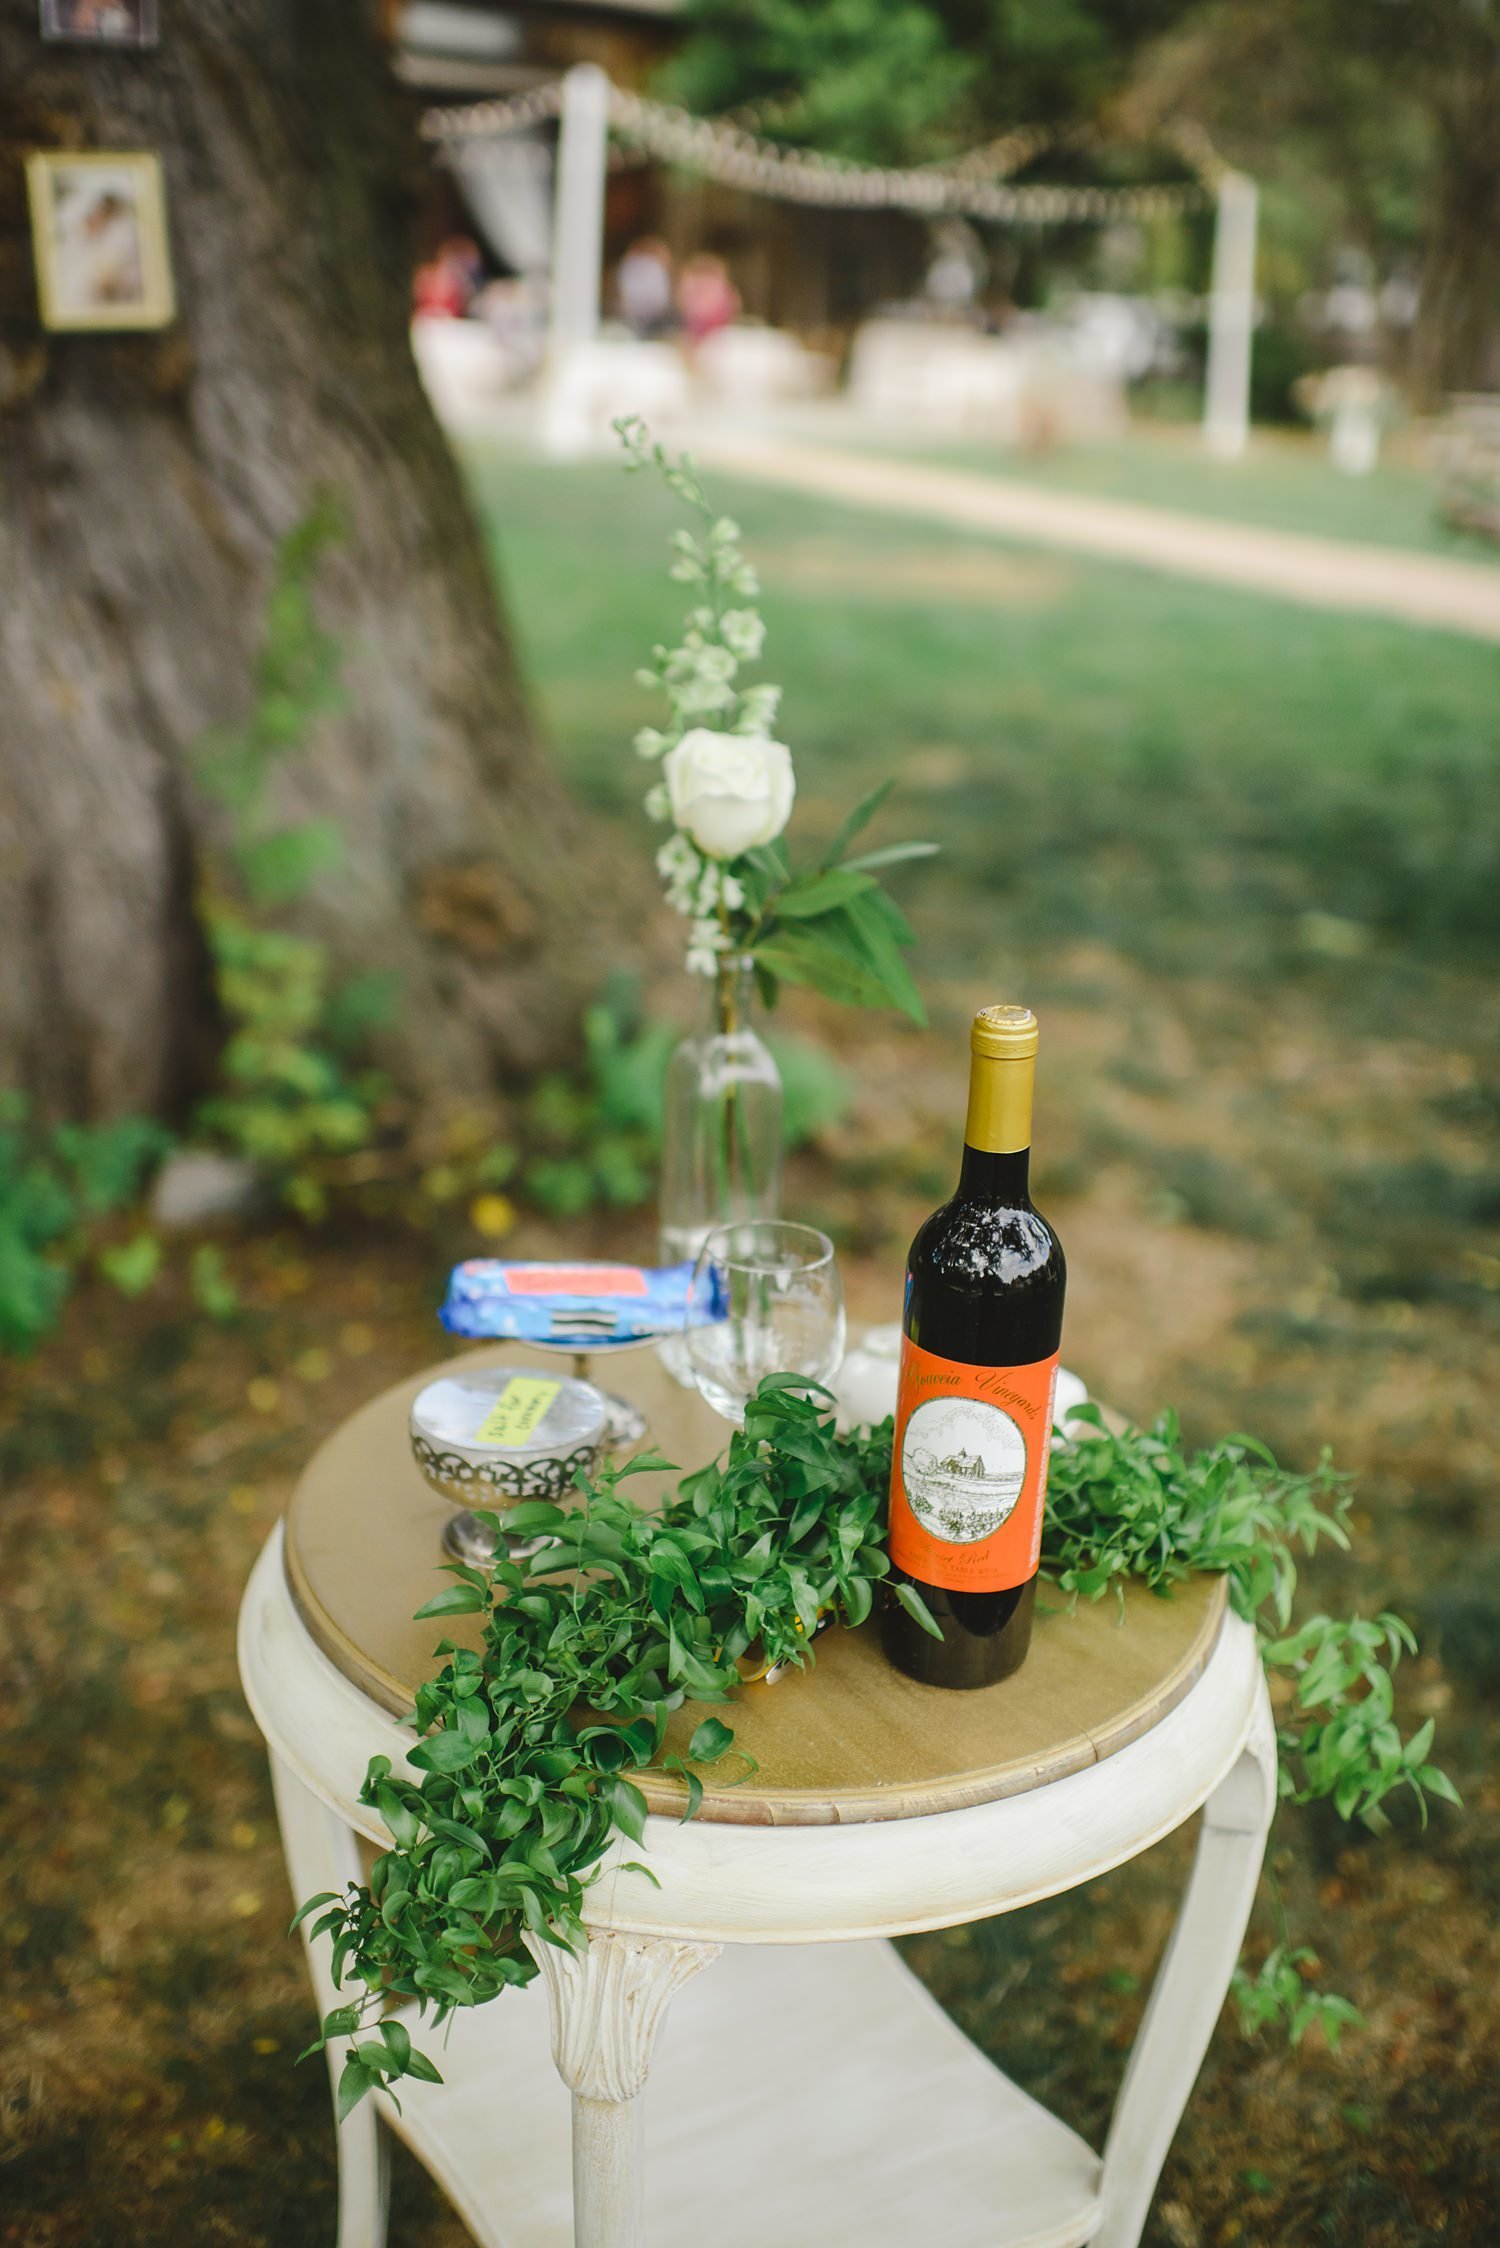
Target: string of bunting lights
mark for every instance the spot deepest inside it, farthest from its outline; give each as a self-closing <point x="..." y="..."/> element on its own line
<point x="974" y="185"/>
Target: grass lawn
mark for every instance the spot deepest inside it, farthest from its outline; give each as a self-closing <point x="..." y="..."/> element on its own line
<point x="1244" y="859"/>
<point x="1105" y="753"/>
<point x="1285" y="482"/>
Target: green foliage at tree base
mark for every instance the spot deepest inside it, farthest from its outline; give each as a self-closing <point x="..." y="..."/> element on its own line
<point x="292" y="1097"/>
<point x="58" y="1190"/>
<point x="590" y="1138"/>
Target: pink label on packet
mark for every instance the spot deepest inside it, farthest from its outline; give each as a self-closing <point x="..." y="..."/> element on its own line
<point x="575" y="1280"/>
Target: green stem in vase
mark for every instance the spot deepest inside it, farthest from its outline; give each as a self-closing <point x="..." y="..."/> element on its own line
<point x="736" y="1124"/>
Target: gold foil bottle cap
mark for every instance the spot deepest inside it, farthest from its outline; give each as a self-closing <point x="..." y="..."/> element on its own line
<point x="1003" y="1043"/>
<point x="1004" y="1033"/>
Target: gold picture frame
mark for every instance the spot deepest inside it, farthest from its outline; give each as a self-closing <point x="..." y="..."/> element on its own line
<point x="99" y="239"/>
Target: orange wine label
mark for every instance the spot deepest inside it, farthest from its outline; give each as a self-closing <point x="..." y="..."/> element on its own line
<point x="969" y="1471"/>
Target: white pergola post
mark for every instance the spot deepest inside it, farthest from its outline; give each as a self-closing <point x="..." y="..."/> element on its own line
<point x="1231" y="319"/>
<point x="577" y="245"/>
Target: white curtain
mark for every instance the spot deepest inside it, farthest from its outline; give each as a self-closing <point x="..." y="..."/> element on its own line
<point x="507" y="185"/>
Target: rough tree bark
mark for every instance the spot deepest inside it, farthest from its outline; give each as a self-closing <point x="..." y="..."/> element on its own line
<point x="146" y="481"/>
<point x="1457" y="343"/>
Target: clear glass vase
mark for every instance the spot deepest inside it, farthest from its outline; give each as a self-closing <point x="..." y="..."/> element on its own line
<point x="721" y="1129"/>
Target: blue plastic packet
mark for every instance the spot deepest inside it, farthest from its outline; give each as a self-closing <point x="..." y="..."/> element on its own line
<point x="590" y="1305"/>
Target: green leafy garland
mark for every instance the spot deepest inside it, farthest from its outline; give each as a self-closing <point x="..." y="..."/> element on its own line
<point x="1131" y="1504"/>
<point x="591" y="1643"/>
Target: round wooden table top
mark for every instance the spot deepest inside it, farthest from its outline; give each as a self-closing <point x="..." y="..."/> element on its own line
<point x="849" y="1739"/>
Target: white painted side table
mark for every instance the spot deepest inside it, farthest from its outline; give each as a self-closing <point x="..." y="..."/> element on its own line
<point x="806" y="2090"/>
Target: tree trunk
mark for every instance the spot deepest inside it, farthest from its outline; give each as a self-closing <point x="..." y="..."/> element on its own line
<point x="1457" y="342"/>
<point x="146" y="481"/>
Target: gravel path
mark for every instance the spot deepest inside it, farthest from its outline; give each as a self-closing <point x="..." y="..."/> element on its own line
<point x="1420" y="589"/>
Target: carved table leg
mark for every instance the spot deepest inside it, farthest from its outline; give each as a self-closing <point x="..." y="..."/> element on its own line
<point x="607" y="2007"/>
<point x="1191" y="1984"/>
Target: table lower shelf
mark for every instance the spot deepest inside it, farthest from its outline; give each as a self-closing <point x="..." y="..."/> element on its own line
<point x="803" y="2095"/>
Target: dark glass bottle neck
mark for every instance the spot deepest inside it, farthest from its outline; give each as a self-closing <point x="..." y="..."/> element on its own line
<point x="995" y="1178"/>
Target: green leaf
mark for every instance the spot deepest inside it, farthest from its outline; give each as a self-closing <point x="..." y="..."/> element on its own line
<point x="627" y="1807"/>
<point x="813" y="894"/>
<point x="808" y="955"/>
<point x="132" y="1266"/>
<point x="534" y="1518"/>
<point x="861" y="816"/>
<point x="607" y="1748"/>
<point x="646" y="1463"/>
<point x="880" y="931"/>
<point x="354" y="2083"/>
<point x="858" y="1600"/>
<point x="288" y="861"/>
<point x="444" y="1752"/>
<point x="213" y="1290"/>
<point x="324" y="1897"/>
<point x="402" y="1822"/>
<point x="677" y="1570"/>
<point x="849" y="954"/>
<point x="458" y="1600"/>
<point x="711" y="1740"/>
<point x="894" y="854"/>
<point x="1437" y="1783"/>
<point x="917" y="1608"/>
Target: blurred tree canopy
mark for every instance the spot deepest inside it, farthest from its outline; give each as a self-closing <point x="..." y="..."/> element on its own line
<point x="1373" y="122"/>
<point x="1373" y="125"/>
<point x="909" y="82"/>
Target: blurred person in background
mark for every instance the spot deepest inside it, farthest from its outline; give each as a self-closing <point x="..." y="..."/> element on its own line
<point x="644" y="289"/>
<point x="706" y="298"/>
<point x="445" y="286"/>
<point x="514" y="310"/>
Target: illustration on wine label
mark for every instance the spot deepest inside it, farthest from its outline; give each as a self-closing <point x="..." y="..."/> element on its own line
<point x="971" y="1457"/>
<point x="953" y="1492"/>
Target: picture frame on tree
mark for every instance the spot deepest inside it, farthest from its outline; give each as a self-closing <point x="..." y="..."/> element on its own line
<point x="101" y="23"/>
<point x="99" y="239"/>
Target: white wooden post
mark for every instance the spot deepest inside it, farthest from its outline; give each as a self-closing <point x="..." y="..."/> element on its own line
<point x="577" y="246"/>
<point x="1231" y="319"/>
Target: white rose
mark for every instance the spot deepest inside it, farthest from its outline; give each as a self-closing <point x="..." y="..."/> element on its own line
<point x="729" y="792"/>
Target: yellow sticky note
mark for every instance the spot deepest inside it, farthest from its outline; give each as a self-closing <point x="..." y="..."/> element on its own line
<point x="518" y="1411"/>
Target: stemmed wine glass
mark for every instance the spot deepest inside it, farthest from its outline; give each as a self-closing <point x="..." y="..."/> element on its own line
<point x="766" y="1298"/>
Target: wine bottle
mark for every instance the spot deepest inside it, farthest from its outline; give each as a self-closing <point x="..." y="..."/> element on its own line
<point x="980" y="1336"/>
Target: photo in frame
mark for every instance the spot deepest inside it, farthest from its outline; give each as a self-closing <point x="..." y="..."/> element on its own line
<point x="99" y="239"/>
<point x="101" y="23"/>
